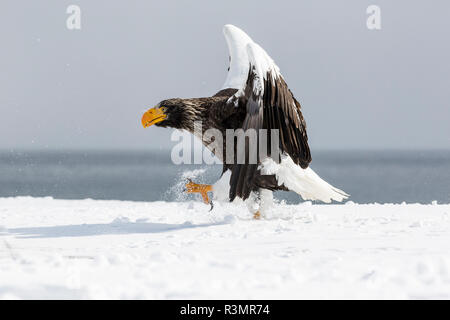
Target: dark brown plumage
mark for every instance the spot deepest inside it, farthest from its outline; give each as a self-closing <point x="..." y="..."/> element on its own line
<point x="275" y="109"/>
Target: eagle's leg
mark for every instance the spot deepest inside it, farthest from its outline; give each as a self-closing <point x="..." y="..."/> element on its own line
<point x="252" y="203"/>
<point x="203" y="189"/>
<point x="259" y="203"/>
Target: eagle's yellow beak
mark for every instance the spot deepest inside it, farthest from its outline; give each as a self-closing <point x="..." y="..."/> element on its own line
<point x="152" y="116"/>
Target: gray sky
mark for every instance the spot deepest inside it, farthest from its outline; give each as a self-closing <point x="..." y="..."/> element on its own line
<point x="359" y="89"/>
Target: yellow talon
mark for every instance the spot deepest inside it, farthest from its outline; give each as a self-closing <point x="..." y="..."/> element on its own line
<point x="257" y="215"/>
<point x="203" y="189"/>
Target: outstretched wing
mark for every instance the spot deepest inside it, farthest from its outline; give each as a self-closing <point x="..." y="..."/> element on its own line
<point x="269" y="104"/>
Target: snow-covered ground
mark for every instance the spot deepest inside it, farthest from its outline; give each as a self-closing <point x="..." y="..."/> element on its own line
<point x="115" y="249"/>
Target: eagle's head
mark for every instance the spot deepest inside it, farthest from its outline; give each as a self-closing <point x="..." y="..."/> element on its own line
<point x="168" y="113"/>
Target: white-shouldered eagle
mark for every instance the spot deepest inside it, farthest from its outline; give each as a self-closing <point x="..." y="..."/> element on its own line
<point x="254" y="96"/>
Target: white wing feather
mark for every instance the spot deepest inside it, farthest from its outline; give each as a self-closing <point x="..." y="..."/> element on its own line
<point x="243" y="53"/>
<point x="237" y="41"/>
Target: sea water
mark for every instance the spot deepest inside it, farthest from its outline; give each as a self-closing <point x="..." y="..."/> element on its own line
<point x="368" y="176"/>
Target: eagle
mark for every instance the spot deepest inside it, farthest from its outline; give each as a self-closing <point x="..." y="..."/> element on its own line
<point x="255" y="97"/>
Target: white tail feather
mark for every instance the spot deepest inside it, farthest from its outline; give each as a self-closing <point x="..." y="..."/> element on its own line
<point x="305" y="182"/>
